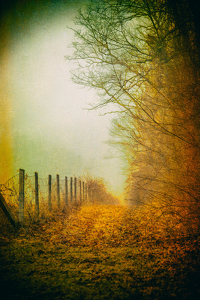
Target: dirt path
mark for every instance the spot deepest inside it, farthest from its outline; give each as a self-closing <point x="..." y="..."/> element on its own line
<point x="96" y="253"/>
<point x="95" y="226"/>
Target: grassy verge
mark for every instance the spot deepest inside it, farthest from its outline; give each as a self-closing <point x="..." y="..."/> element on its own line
<point x="98" y="253"/>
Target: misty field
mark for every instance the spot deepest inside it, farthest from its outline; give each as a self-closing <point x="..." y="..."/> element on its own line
<point x="98" y="252"/>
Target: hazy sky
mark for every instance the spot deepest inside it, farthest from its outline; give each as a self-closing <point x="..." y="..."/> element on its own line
<point x="47" y="126"/>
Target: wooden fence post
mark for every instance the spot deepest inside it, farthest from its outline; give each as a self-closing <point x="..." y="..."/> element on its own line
<point x="75" y="189"/>
<point x="80" y="191"/>
<point x="58" y="190"/>
<point x="66" y="190"/>
<point x="21" y="196"/>
<point x="7" y="211"/>
<point x="36" y="195"/>
<point x="49" y="193"/>
<point x="89" y="193"/>
<point x="83" y="190"/>
<point x="71" y="186"/>
<point x="86" y="192"/>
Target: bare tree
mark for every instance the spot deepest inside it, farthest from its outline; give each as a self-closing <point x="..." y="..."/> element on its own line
<point x="129" y="51"/>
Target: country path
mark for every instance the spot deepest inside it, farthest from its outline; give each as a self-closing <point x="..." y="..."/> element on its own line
<point x="98" y="225"/>
<point x="97" y="252"/>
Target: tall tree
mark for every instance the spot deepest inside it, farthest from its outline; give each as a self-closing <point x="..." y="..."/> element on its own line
<point x="137" y="57"/>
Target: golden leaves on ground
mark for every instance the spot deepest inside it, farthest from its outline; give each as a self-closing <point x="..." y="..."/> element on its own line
<point x="95" y="226"/>
<point x="101" y="252"/>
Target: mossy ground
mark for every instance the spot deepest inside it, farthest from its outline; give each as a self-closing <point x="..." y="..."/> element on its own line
<point x="98" y="252"/>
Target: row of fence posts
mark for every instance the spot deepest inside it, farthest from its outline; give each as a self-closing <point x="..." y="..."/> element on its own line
<point x="73" y="192"/>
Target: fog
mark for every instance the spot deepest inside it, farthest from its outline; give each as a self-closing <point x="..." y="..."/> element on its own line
<point x="45" y="122"/>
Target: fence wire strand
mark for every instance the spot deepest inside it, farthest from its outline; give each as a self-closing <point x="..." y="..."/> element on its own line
<point x="60" y="197"/>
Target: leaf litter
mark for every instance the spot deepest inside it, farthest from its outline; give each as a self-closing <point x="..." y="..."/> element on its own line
<point x="99" y="252"/>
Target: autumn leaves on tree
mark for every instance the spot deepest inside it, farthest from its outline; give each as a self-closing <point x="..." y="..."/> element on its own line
<point x="143" y="57"/>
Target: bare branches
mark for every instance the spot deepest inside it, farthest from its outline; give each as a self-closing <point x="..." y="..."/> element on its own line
<point x="128" y="51"/>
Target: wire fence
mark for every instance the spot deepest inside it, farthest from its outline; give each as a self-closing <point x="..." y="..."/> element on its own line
<point x="29" y="198"/>
<point x="10" y="192"/>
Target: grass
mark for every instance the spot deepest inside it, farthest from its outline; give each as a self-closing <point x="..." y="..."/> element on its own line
<point x="98" y="252"/>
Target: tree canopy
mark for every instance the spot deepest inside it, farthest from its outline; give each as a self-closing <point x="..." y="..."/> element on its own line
<point x="143" y="57"/>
